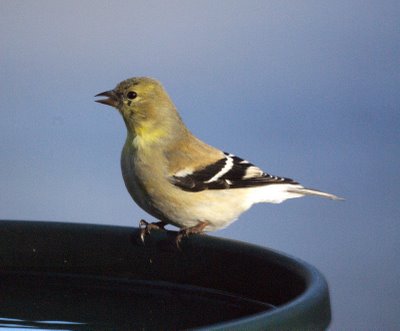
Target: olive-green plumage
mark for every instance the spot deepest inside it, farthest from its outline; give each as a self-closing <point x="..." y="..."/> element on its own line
<point x="176" y="177"/>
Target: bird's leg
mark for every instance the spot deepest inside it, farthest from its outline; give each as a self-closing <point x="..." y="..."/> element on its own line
<point x="145" y="227"/>
<point x="185" y="232"/>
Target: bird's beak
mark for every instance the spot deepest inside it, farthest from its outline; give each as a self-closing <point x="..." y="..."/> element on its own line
<point x="112" y="98"/>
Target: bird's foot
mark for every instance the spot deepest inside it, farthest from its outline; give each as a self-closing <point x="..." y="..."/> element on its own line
<point x="185" y="232"/>
<point x="146" y="227"/>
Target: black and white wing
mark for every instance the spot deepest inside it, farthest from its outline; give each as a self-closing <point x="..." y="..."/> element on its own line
<point x="227" y="173"/>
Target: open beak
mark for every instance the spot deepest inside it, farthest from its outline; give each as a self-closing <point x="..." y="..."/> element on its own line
<point x="112" y="98"/>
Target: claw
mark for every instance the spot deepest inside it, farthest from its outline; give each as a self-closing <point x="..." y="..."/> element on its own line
<point x="143" y="229"/>
<point x="146" y="227"/>
<point x="182" y="233"/>
<point x="185" y="232"/>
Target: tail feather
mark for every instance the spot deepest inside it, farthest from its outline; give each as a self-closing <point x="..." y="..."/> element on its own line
<point x="310" y="191"/>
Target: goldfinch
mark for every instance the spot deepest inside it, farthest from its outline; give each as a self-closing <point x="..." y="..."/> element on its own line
<point x="179" y="179"/>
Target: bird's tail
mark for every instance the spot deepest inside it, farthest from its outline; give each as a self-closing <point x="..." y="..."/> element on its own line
<point x="310" y="191"/>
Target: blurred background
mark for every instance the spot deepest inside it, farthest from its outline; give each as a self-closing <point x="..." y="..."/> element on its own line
<point x="307" y="90"/>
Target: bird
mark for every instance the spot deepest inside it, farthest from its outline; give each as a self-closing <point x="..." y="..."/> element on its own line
<point x="179" y="179"/>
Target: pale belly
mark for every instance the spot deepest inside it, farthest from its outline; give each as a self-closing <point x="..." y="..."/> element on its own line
<point x="154" y="193"/>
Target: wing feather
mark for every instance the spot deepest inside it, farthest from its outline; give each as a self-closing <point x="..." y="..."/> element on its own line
<point x="229" y="172"/>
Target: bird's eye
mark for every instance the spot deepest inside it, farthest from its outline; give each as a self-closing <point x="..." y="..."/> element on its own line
<point x="131" y="95"/>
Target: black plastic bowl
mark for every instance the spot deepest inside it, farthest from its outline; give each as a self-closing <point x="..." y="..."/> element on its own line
<point x="90" y="277"/>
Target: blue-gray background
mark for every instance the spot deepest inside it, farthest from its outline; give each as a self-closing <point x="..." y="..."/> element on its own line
<point x="308" y="90"/>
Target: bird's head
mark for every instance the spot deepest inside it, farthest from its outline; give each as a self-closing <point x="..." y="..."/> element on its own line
<point x="145" y="106"/>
